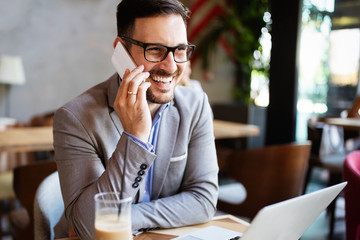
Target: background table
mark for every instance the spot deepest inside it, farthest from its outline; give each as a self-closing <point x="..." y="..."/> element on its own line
<point x="227" y="129"/>
<point x="41" y="138"/>
<point x="346" y="123"/>
<point x="26" y="139"/>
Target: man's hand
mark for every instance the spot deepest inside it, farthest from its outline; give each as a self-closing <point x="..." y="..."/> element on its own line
<point x="131" y="105"/>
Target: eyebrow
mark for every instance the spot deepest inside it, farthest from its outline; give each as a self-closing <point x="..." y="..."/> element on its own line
<point x="167" y="45"/>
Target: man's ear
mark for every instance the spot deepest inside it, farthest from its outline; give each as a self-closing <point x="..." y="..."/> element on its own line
<point x="117" y="39"/>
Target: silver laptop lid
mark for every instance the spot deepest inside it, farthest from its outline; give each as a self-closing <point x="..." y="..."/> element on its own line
<point x="289" y="219"/>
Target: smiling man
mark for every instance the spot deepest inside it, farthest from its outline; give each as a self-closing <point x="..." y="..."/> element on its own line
<point x="141" y="134"/>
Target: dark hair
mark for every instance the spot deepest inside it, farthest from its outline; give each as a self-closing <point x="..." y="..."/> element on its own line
<point x="129" y="10"/>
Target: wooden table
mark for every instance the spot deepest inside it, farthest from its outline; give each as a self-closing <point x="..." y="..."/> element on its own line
<point x="26" y="139"/>
<point x="41" y="138"/>
<point x="346" y="123"/>
<point x="226" y="221"/>
<point x="226" y="129"/>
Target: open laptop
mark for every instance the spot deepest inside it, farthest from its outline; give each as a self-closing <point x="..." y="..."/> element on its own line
<point x="286" y="220"/>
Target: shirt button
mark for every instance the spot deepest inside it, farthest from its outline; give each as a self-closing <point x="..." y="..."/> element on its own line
<point x="138" y="179"/>
<point x="141" y="172"/>
<point x="143" y="166"/>
<point x="135" y="185"/>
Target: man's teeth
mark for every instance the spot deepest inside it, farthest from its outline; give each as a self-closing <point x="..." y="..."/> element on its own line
<point x="162" y="79"/>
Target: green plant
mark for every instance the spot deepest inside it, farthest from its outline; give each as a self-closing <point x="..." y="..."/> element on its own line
<point x="238" y="30"/>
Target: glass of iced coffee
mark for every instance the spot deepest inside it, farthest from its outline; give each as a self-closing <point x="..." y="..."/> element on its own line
<point x="112" y="217"/>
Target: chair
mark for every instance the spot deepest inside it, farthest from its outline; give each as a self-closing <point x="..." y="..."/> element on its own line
<point x="7" y="199"/>
<point x="269" y="175"/>
<point x="48" y="208"/>
<point x="332" y="162"/>
<point x="8" y="161"/>
<point x="11" y="160"/>
<point x="26" y="181"/>
<point x="352" y="195"/>
<point x="353" y="112"/>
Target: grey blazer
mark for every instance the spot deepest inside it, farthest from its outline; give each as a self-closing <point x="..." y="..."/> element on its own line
<point x="90" y="150"/>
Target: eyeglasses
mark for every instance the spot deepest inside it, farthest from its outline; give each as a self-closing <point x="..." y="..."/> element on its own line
<point x="154" y="52"/>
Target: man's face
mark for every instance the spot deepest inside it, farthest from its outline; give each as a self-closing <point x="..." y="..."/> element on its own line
<point x="168" y="30"/>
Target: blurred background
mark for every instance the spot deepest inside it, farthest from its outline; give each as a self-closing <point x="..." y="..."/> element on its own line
<point x="65" y="47"/>
<point x="271" y="63"/>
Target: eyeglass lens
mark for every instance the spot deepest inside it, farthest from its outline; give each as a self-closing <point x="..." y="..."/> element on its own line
<point x="156" y="53"/>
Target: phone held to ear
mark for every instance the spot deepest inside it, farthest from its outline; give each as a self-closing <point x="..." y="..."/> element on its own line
<point x="122" y="60"/>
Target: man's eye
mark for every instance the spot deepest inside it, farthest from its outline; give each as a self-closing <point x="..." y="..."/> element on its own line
<point x="155" y="49"/>
<point x="181" y="48"/>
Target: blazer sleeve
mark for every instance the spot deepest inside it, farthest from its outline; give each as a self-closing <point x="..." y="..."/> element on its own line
<point x="82" y="173"/>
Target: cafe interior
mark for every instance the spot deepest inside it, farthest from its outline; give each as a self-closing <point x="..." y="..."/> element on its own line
<point x="286" y="106"/>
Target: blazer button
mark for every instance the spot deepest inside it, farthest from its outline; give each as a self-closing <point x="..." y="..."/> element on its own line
<point x="143" y="166"/>
<point x="138" y="179"/>
<point x="141" y="172"/>
<point x="135" y="185"/>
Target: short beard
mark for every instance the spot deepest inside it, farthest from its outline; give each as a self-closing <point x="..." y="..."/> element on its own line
<point x="150" y="97"/>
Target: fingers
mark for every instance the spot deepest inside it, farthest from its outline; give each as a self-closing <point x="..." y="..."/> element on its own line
<point x="132" y="80"/>
<point x="141" y="94"/>
<point x="129" y="84"/>
<point x="136" y="82"/>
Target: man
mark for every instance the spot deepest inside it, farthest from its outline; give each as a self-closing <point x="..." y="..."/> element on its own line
<point x="163" y="134"/>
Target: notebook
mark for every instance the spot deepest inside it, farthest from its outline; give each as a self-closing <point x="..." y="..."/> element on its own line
<point x="286" y="220"/>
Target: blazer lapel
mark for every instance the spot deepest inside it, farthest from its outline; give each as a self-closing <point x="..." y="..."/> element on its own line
<point x="113" y="85"/>
<point x="166" y="142"/>
<point x="117" y="122"/>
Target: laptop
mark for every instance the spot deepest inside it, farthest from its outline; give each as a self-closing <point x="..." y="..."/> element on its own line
<point x="286" y="220"/>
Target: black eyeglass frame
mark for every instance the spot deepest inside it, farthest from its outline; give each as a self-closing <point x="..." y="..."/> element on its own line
<point x="169" y="49"/>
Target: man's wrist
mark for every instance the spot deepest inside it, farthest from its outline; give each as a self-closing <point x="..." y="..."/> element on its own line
<point x="147" y="146"/>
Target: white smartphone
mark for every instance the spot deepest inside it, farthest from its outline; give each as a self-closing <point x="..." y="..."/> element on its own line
<point x="122" y="60"/>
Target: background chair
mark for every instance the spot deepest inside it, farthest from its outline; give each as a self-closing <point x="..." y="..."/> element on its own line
<point x="333" y="162"/>
<point x="26" y="181"/>
<point x="269" y="175"/>
<point x="8" y="161"/>
<point x="48" y="208"/>
<point x="353" y="112"/>
<point x="352" y="195"/>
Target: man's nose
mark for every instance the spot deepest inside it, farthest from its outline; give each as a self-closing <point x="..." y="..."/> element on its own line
<point x="169" y="63"/>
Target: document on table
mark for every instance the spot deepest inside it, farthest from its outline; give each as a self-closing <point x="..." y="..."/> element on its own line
<point x="210" y="233"/>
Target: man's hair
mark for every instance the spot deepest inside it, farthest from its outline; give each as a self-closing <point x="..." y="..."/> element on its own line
<point x="129" y="10"/>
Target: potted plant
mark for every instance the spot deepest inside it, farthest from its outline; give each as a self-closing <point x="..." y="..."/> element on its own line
<point x="237" y="30"/>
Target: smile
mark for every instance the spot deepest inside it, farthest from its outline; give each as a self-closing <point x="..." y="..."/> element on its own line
<point x="162" y="79"/>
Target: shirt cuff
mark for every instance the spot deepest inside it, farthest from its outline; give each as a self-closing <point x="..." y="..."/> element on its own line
<point x="147" y="146"/>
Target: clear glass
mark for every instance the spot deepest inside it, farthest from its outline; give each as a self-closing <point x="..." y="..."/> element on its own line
<point x="112" y="217"/>
<point x="154" y="52"/>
